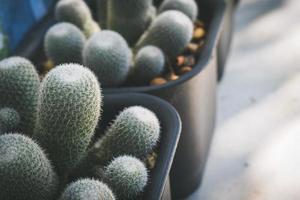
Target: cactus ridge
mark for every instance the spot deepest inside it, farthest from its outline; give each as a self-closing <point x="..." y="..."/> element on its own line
<point x="19" y="87"/>
<point x="25" y="172"/>
<point x="69" y="108"/>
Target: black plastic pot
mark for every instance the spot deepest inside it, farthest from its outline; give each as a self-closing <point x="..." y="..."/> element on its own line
<point x="193" y="95"/>
<point x="158" y="187"/>
<point x="226" y="36"/>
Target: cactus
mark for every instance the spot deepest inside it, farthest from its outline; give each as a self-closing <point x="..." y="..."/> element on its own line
<point x="130" y="18"/>
<point x="188" y="7"/>
<point x="9" y="120"/>
<point x="64" y="43"/>
<point x="149" y="63"/>
<point x="135" y="132"/>
<point x="171" y="31"/>
<point x="19" y="86"/>
<point x="69" y="108"/>
<point x="109" y="56"/>
<point x="77" y="13"/>
<point x="87" y="189"/>
<point x="127" y="177"/>
<point x="25" y="172"/>
<point x="102" y="12"/>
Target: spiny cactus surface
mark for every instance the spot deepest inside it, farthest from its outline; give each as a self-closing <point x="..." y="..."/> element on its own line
<point x="64" y="43"/>
<point x="87" y="189"/>
<point x="108" y="55"/>
<point x="127" y="177"/>
<point x="69" y="109"/>
<point x="19" y="86"/>
<point x="149" y="63"/>
<point x="9" y="120"/>
<point x="135" y="132"/>
<point x="171" y="31"/>
<point x="188" y="7"/>
<point x="25" y="172"/>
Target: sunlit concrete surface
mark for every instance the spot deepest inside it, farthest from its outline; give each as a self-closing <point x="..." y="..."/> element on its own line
<point x="258" y="98"/>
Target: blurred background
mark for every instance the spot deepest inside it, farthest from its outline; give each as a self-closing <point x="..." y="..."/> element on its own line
<point x="258" y="102"/>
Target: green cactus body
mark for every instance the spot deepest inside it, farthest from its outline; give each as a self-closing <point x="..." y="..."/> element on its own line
<point x="19" y="87"/>
<point x="78" y="13"/>
<point x="64" y="43"/>
<point x="102" y="12"/>
<point x="188" y="7"/>
<point x="9" y="120"/>
<point x="108" y="55"/>
<point x="135" y="132"/>
<point x="171" y="31"/>
<point x="25" y="172"/>
<point x="73" y="11"/>
<point x="149" y="63"/>
<point x="87" y="189"/>
<point x="69" y="109"/>
<point x="130" y="18"/>
<point x="127" y="176"/>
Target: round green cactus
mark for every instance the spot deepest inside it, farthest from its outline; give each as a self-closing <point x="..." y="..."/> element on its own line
<point x="25" y="172"/>
<point x="108" y="55"/>
<point x="130" y="18"/>
<point x="171" y="31"/>
<point x="127" y="177"/>
<point x="135" y="132"/>
<point x="78" y="13"/>
<point x="69" y="109"/>
<point x="87" y="189"/>
<point x="19" y="87"/>
<point x="188" y="7"/>
<point x="9" y="120"/>
<point x="64" y="43"/>
<point x="149" y="63"/>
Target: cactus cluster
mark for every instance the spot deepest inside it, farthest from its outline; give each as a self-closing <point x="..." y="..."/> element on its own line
<point x="68" y="105"/>
<point x="19" y="87"/>
<point x="9" y="120"/>
<point x="133" y="23"/>
<point x="25" y="172"/>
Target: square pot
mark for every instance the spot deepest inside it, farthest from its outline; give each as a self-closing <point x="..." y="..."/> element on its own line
<point x="158" y="187"/>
